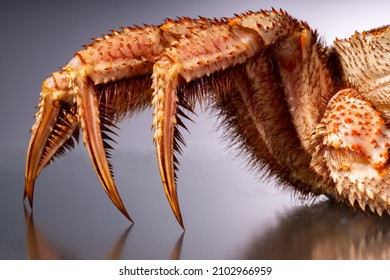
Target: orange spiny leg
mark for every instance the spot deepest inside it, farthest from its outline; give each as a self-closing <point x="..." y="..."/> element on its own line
<point x="92" y="128"/>
<point x="196" y="55"/>
<point x="113" y="58"/>
<point x="357" y="142"/>
<point x="56" y="123"/>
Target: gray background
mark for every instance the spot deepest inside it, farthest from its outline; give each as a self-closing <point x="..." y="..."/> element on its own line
<point x="228" y="213"/>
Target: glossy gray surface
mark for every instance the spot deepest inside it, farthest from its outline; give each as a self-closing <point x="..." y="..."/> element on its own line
<point x="228" y="213"/>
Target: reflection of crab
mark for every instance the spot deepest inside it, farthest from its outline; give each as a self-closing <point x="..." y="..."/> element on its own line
<point x="316" y="117"/>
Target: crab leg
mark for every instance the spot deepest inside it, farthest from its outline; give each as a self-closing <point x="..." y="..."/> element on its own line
<point x="196" y="55"/>
<point x="87" y="106"/>
<point x="113" y="58"/>
<point x="41" y="131"/>
<point x="54" y="126"/>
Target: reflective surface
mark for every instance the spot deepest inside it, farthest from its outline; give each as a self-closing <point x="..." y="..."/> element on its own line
<point x="227" y="212"/>
<point x="323" y="231"/>
<point x="73" y="219"/>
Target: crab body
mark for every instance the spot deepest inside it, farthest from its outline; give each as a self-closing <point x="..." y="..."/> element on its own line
<point x="314" y="117"/>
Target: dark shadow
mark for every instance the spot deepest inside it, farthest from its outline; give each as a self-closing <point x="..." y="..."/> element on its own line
<point x="324" y="231"/>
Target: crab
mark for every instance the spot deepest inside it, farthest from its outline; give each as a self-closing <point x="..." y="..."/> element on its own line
<point x="314" y="117"/>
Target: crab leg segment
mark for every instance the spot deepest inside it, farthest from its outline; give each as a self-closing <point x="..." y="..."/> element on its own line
<point x="203" y="52"/>
<point x="45" y="120"/>
<point x="87" y="106"/>
<point x="54" y="126"/>
<point x="165" y="83"/>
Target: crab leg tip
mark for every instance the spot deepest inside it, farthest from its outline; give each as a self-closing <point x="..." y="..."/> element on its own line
<point x="115" y="198"/>
<point x="174" y="203"/>
<point x="126" y="214"/>
<point x="165" y="82"/>
<point x="29" y="192"/>
<point x="181" y="225"/>
<point x="90" y="118"/>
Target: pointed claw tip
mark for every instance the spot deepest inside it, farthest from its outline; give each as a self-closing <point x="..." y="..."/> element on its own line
<point x="119" y="204"/>
<point x="174" y="203"/>
<point x="182" y="225"/>
<point x="179" y="218"/>
<point x="127" y="216"/>
<point x="28" y="193"/>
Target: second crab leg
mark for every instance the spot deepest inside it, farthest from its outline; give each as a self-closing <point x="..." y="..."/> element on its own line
<point x="195" y="56"/>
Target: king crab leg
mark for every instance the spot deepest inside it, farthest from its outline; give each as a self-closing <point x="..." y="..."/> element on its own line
<point x="56" y="123"/>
